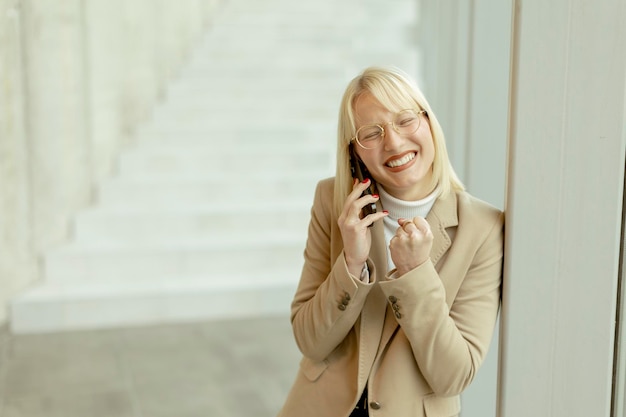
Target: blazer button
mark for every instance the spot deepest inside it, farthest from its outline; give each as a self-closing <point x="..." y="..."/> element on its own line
<point x="375" y="405"/>
<point x="393" y="299"/>
<point x="341" y="307"/>
<point x="398" y="315"/>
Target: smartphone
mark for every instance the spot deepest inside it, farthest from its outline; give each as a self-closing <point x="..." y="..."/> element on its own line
<point x="360" y="172"/>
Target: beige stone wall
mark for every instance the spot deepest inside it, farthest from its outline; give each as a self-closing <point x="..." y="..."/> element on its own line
<point x="76" y="78"/>
<point x="17" y="260"/>
<point x="149" y="39"/>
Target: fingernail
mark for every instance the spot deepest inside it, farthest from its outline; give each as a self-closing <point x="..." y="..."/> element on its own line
<point x="375" y="195"/>
<point x="366" y="180"/>
<point x="385" y="211"/>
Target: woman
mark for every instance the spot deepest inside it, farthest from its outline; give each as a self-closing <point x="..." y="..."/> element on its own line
<point x="395" y="309"/>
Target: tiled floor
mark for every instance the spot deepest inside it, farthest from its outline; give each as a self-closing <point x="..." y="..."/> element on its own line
<point x="210" y="369"/>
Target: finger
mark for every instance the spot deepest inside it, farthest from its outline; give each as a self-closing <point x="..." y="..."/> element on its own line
<point x="361" y="186"/>
<point x="422" y="225"/>
<point x="407" y="226"/>
<point x="353" y="211"/>
<point x="402" y="221"/>
<point x="370" y="219"/>
<point x="357" y="191"/>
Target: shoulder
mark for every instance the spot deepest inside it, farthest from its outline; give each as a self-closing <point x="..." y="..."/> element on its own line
<point x="477" y="213"/>
<point x="324" y="192"/>
<point x="326" y="186"/>
<point x="323" y="200"/>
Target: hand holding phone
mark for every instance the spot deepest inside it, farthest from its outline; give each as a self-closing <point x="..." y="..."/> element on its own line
<point x="360" y="172"/>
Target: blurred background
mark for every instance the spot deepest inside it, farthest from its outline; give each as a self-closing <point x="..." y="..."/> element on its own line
<point x="157" y="167"/>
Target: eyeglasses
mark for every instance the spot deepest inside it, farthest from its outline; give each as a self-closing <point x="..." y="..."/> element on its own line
<point x="405" y="123"/>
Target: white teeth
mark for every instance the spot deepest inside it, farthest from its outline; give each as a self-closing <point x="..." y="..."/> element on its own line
<point x="401" y="161"/>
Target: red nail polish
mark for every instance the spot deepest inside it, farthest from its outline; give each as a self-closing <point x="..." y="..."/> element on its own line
<point x="375" y="195"/>
<point x="385" y="211"/>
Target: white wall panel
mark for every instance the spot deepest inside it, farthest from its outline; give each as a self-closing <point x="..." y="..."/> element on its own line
<point x="564" y="207"/>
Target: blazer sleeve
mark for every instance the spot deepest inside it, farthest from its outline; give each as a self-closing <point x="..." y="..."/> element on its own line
<point x="328" y="300"/>
<point x="450" y="343"/>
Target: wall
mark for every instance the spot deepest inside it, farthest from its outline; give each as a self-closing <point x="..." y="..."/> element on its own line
<point x="17" y="260"/>
<point x="76" y="78"/>
<point x="564" y="208"/>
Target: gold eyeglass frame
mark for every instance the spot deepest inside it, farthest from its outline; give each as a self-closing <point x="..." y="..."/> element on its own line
<point x="393" y="125"/>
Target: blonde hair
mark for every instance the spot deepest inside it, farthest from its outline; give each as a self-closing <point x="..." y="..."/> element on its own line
<point x="395" y="91"/>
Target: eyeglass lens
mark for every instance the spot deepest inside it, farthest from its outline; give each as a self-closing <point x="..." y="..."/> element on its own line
<point x="405" y="123"/>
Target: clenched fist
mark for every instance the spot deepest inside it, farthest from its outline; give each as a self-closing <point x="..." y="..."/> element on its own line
<point x="410" y="247"/>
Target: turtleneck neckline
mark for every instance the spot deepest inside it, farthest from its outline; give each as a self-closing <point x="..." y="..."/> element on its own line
<point x="406" y="209"/>
<point x="402" y="209"/>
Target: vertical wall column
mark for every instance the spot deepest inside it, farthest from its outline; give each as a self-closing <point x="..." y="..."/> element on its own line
<point x="56" y="115"/>
<point x="564" y="208"/>
<point x="17" y="261"/>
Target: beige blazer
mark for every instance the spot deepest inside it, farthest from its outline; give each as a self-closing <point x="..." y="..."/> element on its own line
<point x="416" y="341"/>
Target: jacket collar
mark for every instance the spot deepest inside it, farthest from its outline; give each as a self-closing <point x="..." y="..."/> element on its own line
<point x="441" y="216"/>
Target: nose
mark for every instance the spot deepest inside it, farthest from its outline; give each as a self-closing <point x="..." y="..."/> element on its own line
<point x="391" y="138"/>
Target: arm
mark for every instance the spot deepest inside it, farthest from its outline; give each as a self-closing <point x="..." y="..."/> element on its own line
<point x="449" y="344"/>
<point x="319" y="324"/>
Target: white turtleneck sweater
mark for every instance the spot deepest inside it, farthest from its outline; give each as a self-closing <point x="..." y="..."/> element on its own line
<point x="400" y="209"/>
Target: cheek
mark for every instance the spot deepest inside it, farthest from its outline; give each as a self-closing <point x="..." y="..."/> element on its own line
<point x="369" y="160"/>
<point x="429" y="149"/>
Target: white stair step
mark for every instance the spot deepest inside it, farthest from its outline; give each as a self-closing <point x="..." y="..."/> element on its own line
<point x="245" y="103"/>
<point x="249" y="110"/>
<point x="271" y="117"/>
<point x="145" y="263"/>
<point x="318" y="34"/>
<point x="236" y="133"/>
<point x="213" y="101"/>
<point x="250" y="187"/>
<point x="203" y="83"/>
<point x="227" y="121"/>
<point x="153" y="225"/>
<point x="310" y="140"/>
<point x="227" y="147"/>
<point x="54" y="307"/>
<point x="202" y="160"/>
<point x="352" y="15"/>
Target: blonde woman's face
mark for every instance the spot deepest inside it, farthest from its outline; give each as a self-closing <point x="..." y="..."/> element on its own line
<point x="402" y="164"/>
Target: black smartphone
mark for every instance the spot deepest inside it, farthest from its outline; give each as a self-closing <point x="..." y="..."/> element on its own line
<point x="360" y="172"/>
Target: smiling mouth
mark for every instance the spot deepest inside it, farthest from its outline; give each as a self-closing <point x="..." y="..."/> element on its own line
<point x="402" y="161"/>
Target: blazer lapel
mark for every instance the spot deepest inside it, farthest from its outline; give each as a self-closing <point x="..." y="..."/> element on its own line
<point x="442" y="215"/>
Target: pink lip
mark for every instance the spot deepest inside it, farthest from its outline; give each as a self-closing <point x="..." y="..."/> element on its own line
<point x="400" y="156"/>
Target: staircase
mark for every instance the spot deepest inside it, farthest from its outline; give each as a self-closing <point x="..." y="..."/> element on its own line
<point x="207" y="214"/>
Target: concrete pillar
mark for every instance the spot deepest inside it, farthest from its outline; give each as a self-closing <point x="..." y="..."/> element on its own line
<point x="104" y="42"/>
<point x="564" y="208"/>
<point x="57" y="116"/>
<point x="17" y="261"/>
